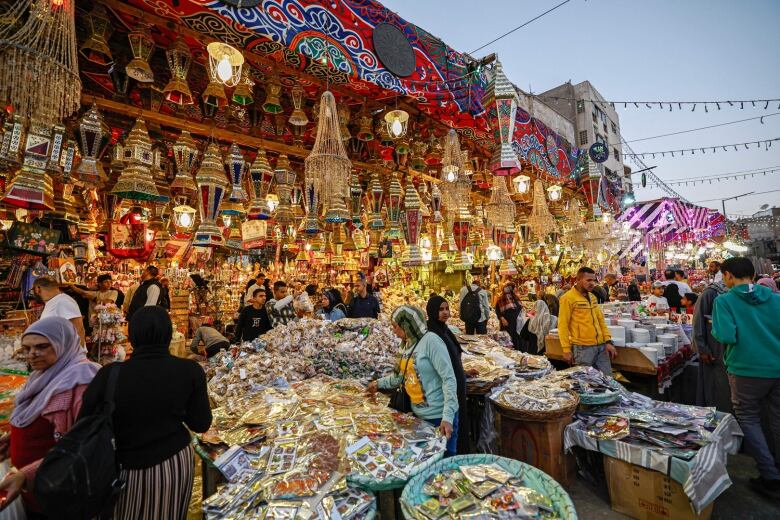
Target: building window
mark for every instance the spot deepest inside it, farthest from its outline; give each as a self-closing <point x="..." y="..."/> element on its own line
<point x="614" y="128"/>
<point x="580" y="106"/>
<point x="616" y="154"/>
<point x="605" y="128"/>
<point x="595" y="130"/>
<point x="583" y="137"/>
<point x="600" y="139"/>
<point x="595" y="117"/>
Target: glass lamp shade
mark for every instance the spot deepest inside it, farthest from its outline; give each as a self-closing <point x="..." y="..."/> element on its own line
<point x="94" y="135"/>
<point x="554" y="193"/>
<point x="243" y="94"/>
<point x="396" y="122"/>
<point x="185" y="156"/>
<point x="273" y="102"/>
<point x="95" y="49"/>
<point x="142" y="46"/>
<point x="179" y="60"/>
<point x="376" y="197"/>
<point x="260" y="176"/>
<point x="183" y="218"/>
<point x="212" y="184"/>
<point x="236" y="167"/>
<point x="493" y="253"/>
<point x="522" y="184"/>
<point x="225" y="63"/>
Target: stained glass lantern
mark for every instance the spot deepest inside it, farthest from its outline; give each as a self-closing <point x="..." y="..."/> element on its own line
<point x="243" y="94"/>
<point x="183" y="218"/>
<point x="236" y="167"/>
<point x="298" y="116"/>
<point x="344" y="115"/>
<point x="285" y="179"/>
<point x="94" y="135"/>
<point x="397" y="122"/>
<point x="394" y="196"/>
<point x="273" y="102"/>
<point x="365" y="131"/>
<point x="142" y="46"/>
<point x="506" y="241"/>
<point x="296" y="197"/>
<point x="522" y="184"/>
<point x="225" y="63"/>
<point x="32" y="188"/>
<point x="212" y="184"/>
<point x="311" y="222"/>
<point x="502" y="92"/>
<point x="376" y="196"/>
<point x="214" y="95"/>
<point x="260" y="176"/>
<point x="179" y="60"/>
<point x="355" y="199"/>
<point x="460" y="230"/>
<point x="185" y="156"/>
<point x="554" y="193"/>
<point x="95" y="49"/>
<point x="136" y="181"/>
<point x="412" y="225"/>
<point x="160" y="177"/>
<point x="436" y="203"/>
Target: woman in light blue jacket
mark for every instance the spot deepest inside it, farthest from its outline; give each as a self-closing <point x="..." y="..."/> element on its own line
<point x="429" y="379"/>
<point x="332" y="308"/>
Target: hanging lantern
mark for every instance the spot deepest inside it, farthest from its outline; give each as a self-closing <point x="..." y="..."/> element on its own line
<point x="179" y="60"/>
<point x="436" y="203"/>
<point x="298" y="116"/>
<point x="142" y="46"/>
<point x="344" y="116"/>
<point x="158" y="222"/>
<point x="365" y="132"/>
<point x="243" y="93"/>
<point x="311" y="222"/>
<point x="285" y="179"/>
<point x="460" y="231"/>
<point x="413" y="225"/>
<point x="522" y="184"/>
<point x="468" y="167"/>
<point x="236" y="166"/>
<point x="506" y="241"/>
<point x="501" y="92"/>
<point x="211" y="187"/>
<point x="376" y="197"/>
<point x="95" y="48"/>
<point x="261" y="176"/>
<point x="94" y="135"/>
<point x="355" y="199"/>
<point x="385" y="141"/>
<point x="136" y="181"/>
<point x="273" y="89"/>
<point x="397" y="121"/>
<point x="452" y="162"/>
<point x="185" y="155"/>
<point x="225" y="63"/>
<point x="554" y="193"/>
<point x="394" y="194"/>
<point x="31" y="188"/>
<point x="160" y="177"/>
<point x="183" y="219"/>
<point x="214" y="95"/>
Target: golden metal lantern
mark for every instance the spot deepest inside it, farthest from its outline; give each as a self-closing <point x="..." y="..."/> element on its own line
<point x="179" y="60"/>
<point x="225" y="63"/>
<point x="142" y="46"/>
<point x="273" y="90"/>
<point x="243" y="94"/>
<point x="95" y="48"/>
<point x="397" y="122"/>
<point x="298" y="116"/>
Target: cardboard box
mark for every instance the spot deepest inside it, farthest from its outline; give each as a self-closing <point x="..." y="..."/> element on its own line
<point x="645" y="494"/>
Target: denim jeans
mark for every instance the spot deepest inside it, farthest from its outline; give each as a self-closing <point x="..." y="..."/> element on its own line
<point x="747" y="395"/>
<point x="452" y="444"/>
<point x="595" y="356"/>
<point x="477" y="328"/>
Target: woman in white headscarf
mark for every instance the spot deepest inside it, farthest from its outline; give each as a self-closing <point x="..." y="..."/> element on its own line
<point x="48" y="404"/>
<point x="540" y="324"/>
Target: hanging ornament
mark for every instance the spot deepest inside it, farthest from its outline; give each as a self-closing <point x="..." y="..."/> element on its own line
<point x="38" y="62"/>
<point x="541" y="221"/>
<point x="185" y="156"/>
<point x="298" y="116"/>
<point x="94" y="135"/>
<point x="436" y="199"/>
<point x="31" y="187"/>
<point x="261" y="176"/>
<point x="413" y="225"/>
<point x="328" y="166"/>
<point x="136" y="182"/>
<point x="225" y="63"/>
<point x="95" y="48"/>
<point x="355" y="199"/>
<point x="142" y="46"/>
<point x="394" y="195"/>
<point x="273" y="89"/>
<point x="214" y="95"/>
<point x="236" y="166"/>
<point x="179" y="60"/>
<point x="365" y="132"/>
<point x="501" y="92"/>
<point x="211" y="187"/>
<point x="344" y="116"/>
<point x="452" y="162"/>
<point x="397" y="122"/>
<point x="285" y="180"/>
<point x="376" y="197"/>
<point x="243" y="93"/>
<point x="311" y="222"/>
<point x="500" y="211"/>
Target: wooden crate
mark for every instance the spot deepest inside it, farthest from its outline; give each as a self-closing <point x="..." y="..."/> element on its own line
<point x="645" y="494"/>
<point x="627" y="360"/>
<point x="540" y="444"/>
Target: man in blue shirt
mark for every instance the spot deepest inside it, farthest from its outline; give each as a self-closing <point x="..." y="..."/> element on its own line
<point x="363" y="304"/>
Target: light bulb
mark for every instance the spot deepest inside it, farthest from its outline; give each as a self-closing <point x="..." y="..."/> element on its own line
<point x="185" y="219"/>
<point x="450" y="176"/>
<point x="396" y="127"/>
<point x="224" y="69"/>
<point x="227" y="219"/>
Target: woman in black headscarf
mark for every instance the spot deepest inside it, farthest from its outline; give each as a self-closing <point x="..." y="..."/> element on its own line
<point x="157" y="394"/>
<point x="438" y="311"/>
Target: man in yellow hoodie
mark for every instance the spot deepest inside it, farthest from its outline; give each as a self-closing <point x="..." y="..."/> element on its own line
<point x="585" y="338"/>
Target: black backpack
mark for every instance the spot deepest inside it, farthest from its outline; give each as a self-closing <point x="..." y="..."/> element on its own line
<point x="79" y="477"/>
<point x="470" y="307"/>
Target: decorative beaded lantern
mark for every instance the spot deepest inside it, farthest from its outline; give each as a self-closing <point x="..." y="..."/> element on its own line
<point x="212" y="184"/>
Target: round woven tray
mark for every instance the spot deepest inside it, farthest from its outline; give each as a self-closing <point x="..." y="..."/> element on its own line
<point x="537" y="415"/>
<point x="413" y="495"/>
<point x="483" y="387"/>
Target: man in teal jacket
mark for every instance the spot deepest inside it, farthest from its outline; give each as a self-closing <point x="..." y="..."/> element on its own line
<point x="747" y="320"/>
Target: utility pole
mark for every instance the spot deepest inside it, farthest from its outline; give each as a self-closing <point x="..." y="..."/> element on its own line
<point x="723" y="201"/>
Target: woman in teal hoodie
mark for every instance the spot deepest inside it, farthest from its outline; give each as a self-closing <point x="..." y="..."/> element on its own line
<point x="747" y="320"/>
<point x="429" y="379"/>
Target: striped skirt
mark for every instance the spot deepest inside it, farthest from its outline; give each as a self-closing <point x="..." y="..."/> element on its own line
<point x="161" y="492"/>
